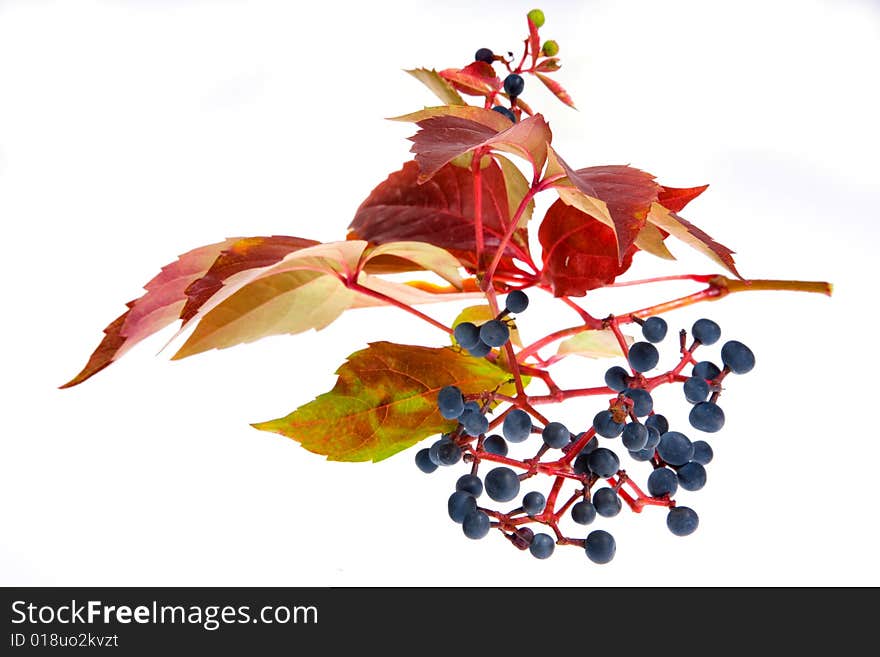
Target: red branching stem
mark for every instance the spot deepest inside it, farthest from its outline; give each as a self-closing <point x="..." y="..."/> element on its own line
<point x="508" y="235"/>
<point x="562" y="395"/>
<point x="614" y="325"/>
<point x="357" y="287"/>
<point x="578" y="445"/>
<point x="554" y="493"/>
<point x="587" y="318"/>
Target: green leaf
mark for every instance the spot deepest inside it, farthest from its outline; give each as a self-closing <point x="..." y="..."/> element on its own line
<point x="440" y="87"/>
<point x="592" y="344"/>
<point x="385" y="400"/>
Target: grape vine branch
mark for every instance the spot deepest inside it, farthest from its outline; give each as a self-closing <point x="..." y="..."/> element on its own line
<point x="460" y="209"/>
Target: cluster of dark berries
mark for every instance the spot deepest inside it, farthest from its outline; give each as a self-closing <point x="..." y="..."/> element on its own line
<point x="589" y="458"/>
<point x="480" y="340"/>
<point x="514" y="84"/>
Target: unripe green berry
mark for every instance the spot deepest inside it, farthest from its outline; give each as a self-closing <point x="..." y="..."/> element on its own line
<point x="550" y="48"/>
<point x="537" y="17"/>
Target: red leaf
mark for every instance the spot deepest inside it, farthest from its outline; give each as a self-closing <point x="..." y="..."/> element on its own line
<point x="155" y="310"/>
<point x="440" y="212"/>
<point x="675" y="198"/>
<point x="549" y="65"/>
<point x="476" y="79"/>
<point x="579" y="251"/>
<point x="626" y="191"/>
<point x="684" y="230"/>
<point x="556" y="89"/>
<point x="534" y="41"/>
<point x="246" y="253"/>
<point x="441" y="139"/>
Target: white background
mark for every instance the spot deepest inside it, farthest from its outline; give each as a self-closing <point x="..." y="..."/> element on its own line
<point x="131" y="131"/>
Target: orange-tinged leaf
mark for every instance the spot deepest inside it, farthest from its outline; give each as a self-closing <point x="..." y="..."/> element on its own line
<point x="444" y="138"/>
<point x="556" y="89"/>
<point x="652" y="240"/>
<point x="307" y="289"/>
<point x="243" y="254"/>
<point x="440" y="87"/>
<point x="159" y="307"/>
<point x="475" y="79"/>
<point x="692" y="236"/>
<point x="385" y="400"/>
<point x="479" y="114"/>
<point x="289" y="302"/>
<point x="549" y="65"/>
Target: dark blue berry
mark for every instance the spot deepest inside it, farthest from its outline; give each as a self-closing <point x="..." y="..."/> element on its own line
<point x="605" y="425"/>
<point x="581" y="465"/>
<point x="424" y="462"/>
<point x="556" y="435"/>
<point x="474" y="423"/>
<point x="495" y="444"/>
<point x="514" y="84"/>
<point x="654" y="329"/>
<point x="616" y="378"/>
<point x="479" y="350"/>
<point x="516" y="301"/>
<point x="503" y="111"/>
<point x="658" y="422"/>
<point x="603" y="462"/>
<point x="634" y="436"/>
<point x="692" y="476"/>
<point x="583" y="513"/>
<point x="476" y="524"/>
<point x="470" y="484"/>
<point x="484" y="55"/>
<point x="643" y="454"/>
<point x="607" y="502"/>
<point x="706" y="331"/>
<point x="502" y="484"/>
<point x="643" y="404"/>
<point x="682" y="520"/>
<point x="533" y="503"/>
<point x="448" y="453"/>
<point x="707" y="416"/>
<point x="702" y="452"/>
<point x="460" y="504"/>
<point x="494" y="333"/>
<point x="450" y="402"/>
<point x="517" y="426"/>
<point x="467" y="334"/>
<point x="643" y="356"/>
<point x="653" y="438"/>
<point x="737" y="357"/>
<point x="542" y="546"/>
<point x="675" y="448"/>
<point x="696" y="390"/>
<point x="600" y="546"/>
<point x="706" y="369"/>
<point x="662" y="481"/>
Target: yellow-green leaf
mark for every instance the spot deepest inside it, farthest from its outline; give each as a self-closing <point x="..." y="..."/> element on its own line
<point x="385" y="400"/>
<point x="440" y="87"/>
<point x="592" y="344"/>
<point x="517" y="188"/>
